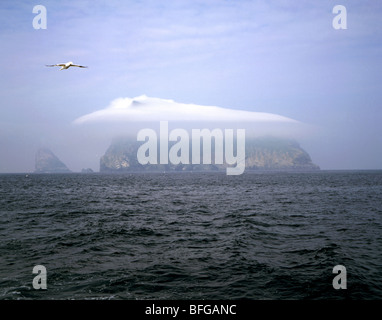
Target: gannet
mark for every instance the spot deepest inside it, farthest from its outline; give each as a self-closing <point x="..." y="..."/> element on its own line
<point x="65" y="65"/>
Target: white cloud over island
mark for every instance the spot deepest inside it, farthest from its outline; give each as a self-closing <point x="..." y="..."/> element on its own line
<point x="146" y="109"/>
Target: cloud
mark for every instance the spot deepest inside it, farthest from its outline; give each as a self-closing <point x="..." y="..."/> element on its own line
<point x="146" y="109"/>
<point x="127" y="115"/>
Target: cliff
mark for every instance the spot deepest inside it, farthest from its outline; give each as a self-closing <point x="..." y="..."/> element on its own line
<point x="277" y="154"/>
<point x="260" y="154"/>
<point x="47" y="162"/>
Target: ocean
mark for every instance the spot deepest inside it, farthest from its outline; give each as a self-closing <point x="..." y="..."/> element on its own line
<point x="166" y="236"/>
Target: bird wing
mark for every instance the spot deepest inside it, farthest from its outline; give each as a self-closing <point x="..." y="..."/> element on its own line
<point x="77" y="65"/>
<point x="56" y="65"/>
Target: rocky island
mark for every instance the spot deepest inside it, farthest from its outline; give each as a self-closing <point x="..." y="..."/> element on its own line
<point x="266" y="153"/>
<point x="47" y="162"/>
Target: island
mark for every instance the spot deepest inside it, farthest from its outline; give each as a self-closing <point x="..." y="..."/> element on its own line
<point x="261" y="154"/>
<point x="47" y="162"/>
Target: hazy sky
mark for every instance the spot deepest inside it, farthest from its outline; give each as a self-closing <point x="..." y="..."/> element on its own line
<point x="280" y="57"/>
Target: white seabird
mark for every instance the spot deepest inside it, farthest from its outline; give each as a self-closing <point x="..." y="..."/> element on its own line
<point x="65" y="65"/>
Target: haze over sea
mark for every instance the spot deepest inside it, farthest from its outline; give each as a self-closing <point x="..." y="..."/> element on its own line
<point x="191" y="235"/>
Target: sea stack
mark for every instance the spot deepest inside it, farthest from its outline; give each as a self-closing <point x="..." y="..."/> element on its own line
<point x="47" y="162"/>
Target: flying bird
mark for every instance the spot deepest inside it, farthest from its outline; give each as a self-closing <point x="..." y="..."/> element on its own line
<point x="65" y="65"/>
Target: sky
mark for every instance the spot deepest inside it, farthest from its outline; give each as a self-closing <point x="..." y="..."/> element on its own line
<point x="282" y="58"/>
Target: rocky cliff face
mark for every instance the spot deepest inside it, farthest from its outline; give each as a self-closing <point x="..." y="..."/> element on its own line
<point x="277" y="154"/>
<point x="260" y="154"/>
<point x="121" y="156"/>
<point x="47" y="162"/>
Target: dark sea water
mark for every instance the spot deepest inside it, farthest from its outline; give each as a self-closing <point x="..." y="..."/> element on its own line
<point x="191" y="235"/>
